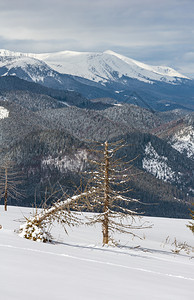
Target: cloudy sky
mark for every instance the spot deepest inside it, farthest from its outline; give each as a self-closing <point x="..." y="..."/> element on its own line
<point x="158" y="32"/>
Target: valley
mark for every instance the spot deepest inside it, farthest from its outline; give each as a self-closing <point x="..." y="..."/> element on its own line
<point x="48" y="129"/>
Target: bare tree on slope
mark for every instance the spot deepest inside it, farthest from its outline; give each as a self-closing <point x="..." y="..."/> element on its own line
<point x="10" y="180"/>
<point x="108" y="190"/>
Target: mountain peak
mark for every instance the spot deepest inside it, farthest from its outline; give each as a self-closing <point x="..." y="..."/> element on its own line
<point x="162" y="70"/>
<point x="101" y="66"/>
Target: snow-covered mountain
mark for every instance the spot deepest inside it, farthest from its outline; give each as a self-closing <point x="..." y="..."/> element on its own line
<point x="101" y="75"/>
<point x="27" y="68"/>
<point x="96" y="66"/>
<point x="105" y="66"/>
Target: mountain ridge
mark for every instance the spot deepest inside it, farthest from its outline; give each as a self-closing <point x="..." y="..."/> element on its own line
<point x="103" y="75"/>
<point x="51" y="145"/>
<point x="100" y="66"/>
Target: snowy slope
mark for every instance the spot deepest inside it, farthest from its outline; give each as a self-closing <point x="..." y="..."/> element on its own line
<point x="78" y="267"/>
<point x="4" y="113"/>
<point x="183" y="141"/>
<point x="157" y="165"/>
<point x="101" y="66"/>
<point x="27" y="68"/>
<point x="105" y="66"/>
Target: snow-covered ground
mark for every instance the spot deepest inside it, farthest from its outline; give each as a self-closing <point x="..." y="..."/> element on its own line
<point x="77" y="267"/>
<point x="4" y="113"/>
<point x="157" y="165"/>
<point x="183" y="141"/>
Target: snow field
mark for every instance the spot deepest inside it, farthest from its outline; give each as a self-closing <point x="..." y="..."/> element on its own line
<point x="76" y="266"/>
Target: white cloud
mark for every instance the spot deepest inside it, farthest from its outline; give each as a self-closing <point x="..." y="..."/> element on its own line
<point x="189" y="56"/>
<point x="134" y="25"/>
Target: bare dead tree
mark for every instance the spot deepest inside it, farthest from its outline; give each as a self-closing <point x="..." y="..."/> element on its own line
<point x="191" y="224"/>
<point x="107" y="192"/>
<point x="65" y="210"/>
<point x="10" y="180"/>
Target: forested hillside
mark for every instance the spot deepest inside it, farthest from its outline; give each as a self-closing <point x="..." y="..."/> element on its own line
<point x="50" y="140"/>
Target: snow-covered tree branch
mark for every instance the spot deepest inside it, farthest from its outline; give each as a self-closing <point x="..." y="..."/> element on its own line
<point x="64" y="211"/>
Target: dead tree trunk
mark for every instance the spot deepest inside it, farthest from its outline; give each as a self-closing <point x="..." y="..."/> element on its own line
<point x="10" y="180"/>
<point x="35" y="228"/>
<point x="5" y="199"/>
<point x="106" y="196"/>
<point x="108" y="192"/>
<point x="57" y="208"/>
